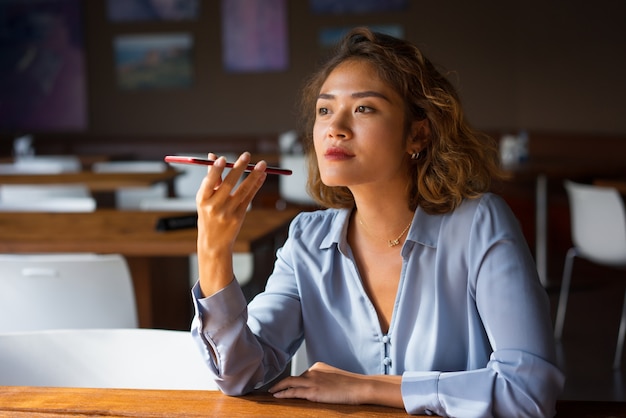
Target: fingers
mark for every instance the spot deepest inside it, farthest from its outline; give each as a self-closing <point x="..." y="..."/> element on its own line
<point x="303" y="387"/>
<point x="249" y="188"/>
<point x="216" y="174"/>
<point x="227" y="191"/>
<point x="290" y="387"/>
<point x="212" y="180"/>
<point x="284" y="384"/>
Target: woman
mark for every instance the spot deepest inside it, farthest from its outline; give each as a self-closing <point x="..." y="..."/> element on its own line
<point x="415" y="289"/>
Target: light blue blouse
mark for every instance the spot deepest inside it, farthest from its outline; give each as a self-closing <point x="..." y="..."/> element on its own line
<point x="470" y="333"/>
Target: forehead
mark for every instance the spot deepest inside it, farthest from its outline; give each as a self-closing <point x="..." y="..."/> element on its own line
<point x="355" y="72"/>
<point x="358" y="78"/>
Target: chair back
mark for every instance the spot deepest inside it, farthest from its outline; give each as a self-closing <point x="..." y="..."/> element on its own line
<point x="292" y="188"/>
<point x="103" y="358"/>
<point x="52" y="291"/>
<point x="598" y="222"/>
<point x="46" y="198"/>
<point x="299" y="361"/>
<point x="56" y="204"/>
<point x="132" y="166"/>
<point x="40" y="164"/>
<point x="130" y="198"/>
<point x="28" y="192"/>
<point x="178" y="204"/>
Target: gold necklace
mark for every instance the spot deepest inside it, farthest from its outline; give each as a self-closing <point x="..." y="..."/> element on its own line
<point x="391" y="242"/>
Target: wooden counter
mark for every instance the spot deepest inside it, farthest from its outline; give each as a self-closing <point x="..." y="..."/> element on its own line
<point x="22" y="401"/>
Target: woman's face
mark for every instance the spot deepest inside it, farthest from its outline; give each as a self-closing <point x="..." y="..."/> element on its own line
<point x="359" y="134"/>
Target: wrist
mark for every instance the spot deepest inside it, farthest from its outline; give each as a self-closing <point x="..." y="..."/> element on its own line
<point x="382" y="390"/>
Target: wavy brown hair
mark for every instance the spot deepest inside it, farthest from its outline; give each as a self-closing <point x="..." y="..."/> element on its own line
<point x="457" y="162"/>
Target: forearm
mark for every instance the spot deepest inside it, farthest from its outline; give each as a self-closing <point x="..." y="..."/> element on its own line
<point x="383" y="390"/>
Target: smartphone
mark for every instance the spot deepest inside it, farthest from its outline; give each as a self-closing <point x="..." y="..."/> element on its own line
<point x="205" y="161"/>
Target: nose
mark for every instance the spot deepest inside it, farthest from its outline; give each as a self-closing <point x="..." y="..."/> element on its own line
<point x="339" y="127"/>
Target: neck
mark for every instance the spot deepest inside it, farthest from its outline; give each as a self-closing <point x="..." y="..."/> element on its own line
<point x="383" y="225"/>
<point x="381" y="214"/>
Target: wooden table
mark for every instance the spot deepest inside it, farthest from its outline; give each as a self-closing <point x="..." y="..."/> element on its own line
<point x="133" y="234"/>
<point x="96" y="182"/>
<point x="540" y="171"/>
<point x="17" y="401"/>
<point x="53" y="402"/>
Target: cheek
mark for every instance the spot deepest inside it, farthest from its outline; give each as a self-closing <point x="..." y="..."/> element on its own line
<point x="318" y="138"/>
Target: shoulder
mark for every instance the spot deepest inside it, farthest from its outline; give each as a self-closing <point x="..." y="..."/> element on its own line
<point x="486" y="201"/>
<point x="486" y="206"/>
<point x="319" y="222"/>
<point x="315" y="219"/>
<point x="487" y="217"/>
<point x="488" y="214"/>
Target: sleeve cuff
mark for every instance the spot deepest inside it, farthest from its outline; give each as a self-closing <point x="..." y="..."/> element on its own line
<point x="420" y="392"/>
<point x="218" y="310"/>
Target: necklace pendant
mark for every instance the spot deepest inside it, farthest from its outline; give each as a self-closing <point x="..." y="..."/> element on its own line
<point x="393" y="243"/>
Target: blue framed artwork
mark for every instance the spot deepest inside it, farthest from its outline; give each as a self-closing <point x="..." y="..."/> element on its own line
<point x="43" y="83"/>
<point x="147" y="10"/>
<point x="254" y="35"/>
<point x="153" y="61"/>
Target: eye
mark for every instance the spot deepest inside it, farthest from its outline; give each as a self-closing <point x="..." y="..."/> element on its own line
<point x="322" y="111"/>
<point x="363" y="109"/>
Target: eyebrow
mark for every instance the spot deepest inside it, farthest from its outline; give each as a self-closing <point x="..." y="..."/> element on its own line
<point x="360" y="94"/>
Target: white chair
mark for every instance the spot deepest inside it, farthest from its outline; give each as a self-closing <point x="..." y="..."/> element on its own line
<point x="48" y="164"/>
<point x="129" y="198"/>
<point x="10" y="168"/>
<point x="598" y="225"/>
<point x="292" y="189"/>
<point x="56" y="204"/>
<point x="103" y="358"/>
<point x="51" y="291"/>
<point x="178" y="204"/>
<point x="299" y="361"/>
<point x="46" y="198"/>
<point x="21" y="192"/>
<point x="243" y="267"/>
<point x="130" y="166"/>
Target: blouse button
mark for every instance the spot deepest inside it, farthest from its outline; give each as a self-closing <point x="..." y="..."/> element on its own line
<point x="387" y="361"/>
<point x="386" y="339"/>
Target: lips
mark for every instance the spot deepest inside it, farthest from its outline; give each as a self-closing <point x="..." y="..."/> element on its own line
<point x="337" y="153"/>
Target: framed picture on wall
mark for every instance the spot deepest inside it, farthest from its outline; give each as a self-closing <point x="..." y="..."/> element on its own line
<point x="43" y="84"/>
<point x="147" y="10"/>
<point x="153" y="61"/>
<point x="254" y="35"/>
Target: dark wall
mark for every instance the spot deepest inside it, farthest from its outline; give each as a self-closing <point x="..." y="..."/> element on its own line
<point x="547" y="66"/>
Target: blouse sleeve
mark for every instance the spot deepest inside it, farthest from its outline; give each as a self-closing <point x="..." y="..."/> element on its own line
<point x="244" y="351"/>
<point x="521" y="378"/>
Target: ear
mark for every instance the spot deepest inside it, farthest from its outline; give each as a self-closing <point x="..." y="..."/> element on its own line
<point x="419" y="136"/>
